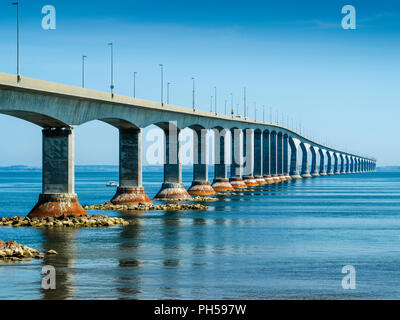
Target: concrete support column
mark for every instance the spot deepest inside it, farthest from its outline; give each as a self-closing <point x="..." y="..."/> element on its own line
<point x="329" y="169"/>
<point x="322" y="170"/>
<point x="347" y="164"/>
<point x="58" y="196"/>
<point x="130" y="190"/>
<point x="343" y="165"/>
<point x="294" y="167"/>
<point x="172" y="188"/>
<point x="258" y="157"/>
<point x="314" y="168"/>
<point x="274" y="156"/>
<point x="305" y="173"/>
<point x="336" y="169"/>
<point x="352" y="165"/>
<point x="248" y="156"/>
<point x="221" y="182"/>
<point x="286" y="158"/>
<point x="236" y="170"/>
<point x="200" y="185"/>
<point x="267" y="157"/>
<point x="280" y="157"/>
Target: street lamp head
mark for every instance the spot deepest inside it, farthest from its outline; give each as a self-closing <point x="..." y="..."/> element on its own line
<point x="15" y="3"/>
<point x="110" y="43"/>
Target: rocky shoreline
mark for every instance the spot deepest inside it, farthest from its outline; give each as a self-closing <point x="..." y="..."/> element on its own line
<point x="69" y="221"/>
<point x="12" y="251"/>
<point x="176" y="206"/>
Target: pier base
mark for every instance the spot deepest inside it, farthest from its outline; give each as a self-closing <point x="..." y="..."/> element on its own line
<point x="201" y="188"/>
<point x="269" y="179"/>
<point x="238" y="183"/>
<point x="315" y="175"/>
<point x="55" y="205"/>
<point x="222" y="185"/>
<point x="276" y="179"/>
<point x="172" y="191"/>
<point x="250" y="181"/>
<point x="130" y="195"/>
<point x="260" y="180"/>
<point x="306" y="175"/>
<point x="282" y="177"/>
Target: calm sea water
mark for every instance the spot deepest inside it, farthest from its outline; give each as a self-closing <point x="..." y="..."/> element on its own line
<point x="285" y="241"/>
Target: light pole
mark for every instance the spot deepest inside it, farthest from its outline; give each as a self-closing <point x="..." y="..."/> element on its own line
<point x="168" y="84"/>
<point x="134" y="84"/>
<point x="112" y="68"/>
<point x="211" y="103"/>
<point x="83" y="71"/>
<point x="162" y="84"/>
<point x="225" y="106"/>
<point x="18" y="55"/>
<point x="232" y="103"/>
<point x="215" y="101"/>
<point x="270" y="114"/>
<point x="193" y="94"/>
<point x="245" y="111"/>
<point x="264" y="113"/>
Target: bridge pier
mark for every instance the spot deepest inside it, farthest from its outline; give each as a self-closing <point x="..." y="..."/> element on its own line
<point x="172" y="188"/>
<point x="347" y="165"/>
<point x="248" y="155"/>
<point x="236" y="170"/>
<point x="329" y="169"/>
<point x="286" y="174"/>
<point x="322" y="170"/>
<point x="267" y="157"/>
<point x="343" y="165"/>
<point x="305" y="172"/>
<point x="281" y="176"/>
<point x="258" y="157"/>
<point x="294" y="167"/>
<point x="314" y="168"/>
<point x="221" y="182"/>
<point x="130" y="190"/>
<point x="58" y="195"/>
<point x="274" y="157"/>
<point x="200" y="185"/>
<point x="336" y="169"/>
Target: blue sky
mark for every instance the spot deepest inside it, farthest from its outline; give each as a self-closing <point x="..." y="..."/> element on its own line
<point x="292" y="56"/>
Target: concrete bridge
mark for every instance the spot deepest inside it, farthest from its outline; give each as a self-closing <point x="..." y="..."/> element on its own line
<point x="259" y="154"/>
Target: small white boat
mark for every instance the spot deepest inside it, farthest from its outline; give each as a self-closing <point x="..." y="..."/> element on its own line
<point x="111" y="184"/>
